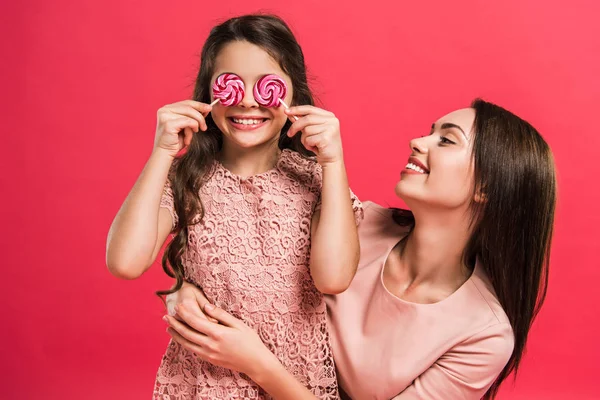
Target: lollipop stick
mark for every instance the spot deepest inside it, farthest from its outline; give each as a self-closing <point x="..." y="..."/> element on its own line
<point x="287" y="108"/>
<point x="214" y="102"/>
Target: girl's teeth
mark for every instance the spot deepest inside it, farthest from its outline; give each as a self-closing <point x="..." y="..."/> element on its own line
<point x="247" y="121"/>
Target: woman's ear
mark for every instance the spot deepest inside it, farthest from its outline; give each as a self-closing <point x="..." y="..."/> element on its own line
<point x="479" y="196"/>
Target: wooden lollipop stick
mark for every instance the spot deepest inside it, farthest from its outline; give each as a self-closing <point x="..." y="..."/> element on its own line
<point x="214" y="102"/>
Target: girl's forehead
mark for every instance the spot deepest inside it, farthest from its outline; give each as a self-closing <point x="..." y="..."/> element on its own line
<point x="246" y="60"/>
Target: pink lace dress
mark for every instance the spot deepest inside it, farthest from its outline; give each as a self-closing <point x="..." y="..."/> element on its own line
<point x="250" y="256"/>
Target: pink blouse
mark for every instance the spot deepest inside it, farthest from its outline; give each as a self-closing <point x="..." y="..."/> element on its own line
<point x="384" y="346"/>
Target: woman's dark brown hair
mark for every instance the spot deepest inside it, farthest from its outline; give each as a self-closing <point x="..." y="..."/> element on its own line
<point x="190" y="171"/>
<point x="512" y="228"/>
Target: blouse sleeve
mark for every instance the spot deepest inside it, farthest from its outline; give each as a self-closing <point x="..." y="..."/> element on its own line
<point x="466" y="371"/>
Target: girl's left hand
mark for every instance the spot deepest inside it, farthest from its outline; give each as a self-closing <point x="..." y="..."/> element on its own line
<point x="230" y="344"/>
<point x="320" y="132"/>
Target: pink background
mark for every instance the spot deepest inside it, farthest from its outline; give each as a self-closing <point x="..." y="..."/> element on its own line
<point x="81" y="83"/>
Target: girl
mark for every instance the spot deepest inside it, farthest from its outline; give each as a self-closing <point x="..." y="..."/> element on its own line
<point x="445" y="294"/>
<point x="254" y="219"/>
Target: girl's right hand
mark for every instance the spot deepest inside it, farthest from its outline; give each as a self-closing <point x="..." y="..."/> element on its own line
<point x="192" y="298"/>
<point x="177" y="123"/>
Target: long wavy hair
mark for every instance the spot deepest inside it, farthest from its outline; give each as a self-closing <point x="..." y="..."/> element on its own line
<point x="512" y="228"/>
<point x="190" y="171"/>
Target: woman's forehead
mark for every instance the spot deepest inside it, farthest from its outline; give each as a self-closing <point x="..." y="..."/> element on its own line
<point x="464" y="118"/>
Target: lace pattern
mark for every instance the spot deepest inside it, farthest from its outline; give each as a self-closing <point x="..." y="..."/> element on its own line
<point x="250" y="255"/>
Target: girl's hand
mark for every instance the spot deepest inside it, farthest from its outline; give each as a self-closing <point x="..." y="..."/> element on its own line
<point x="176" y="124"/>
<point x="320" y="132"/>
<point x="229" y="344"/>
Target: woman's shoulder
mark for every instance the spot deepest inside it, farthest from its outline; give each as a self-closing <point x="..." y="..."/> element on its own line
<point x="376" y="210"/>
<point x="482" y="332"/>
<point x="380" y="216"/>
<point x="485" y="324"/>
<point x="378" y="223"/>
<point x="493" y="345"/>
<point x="483" y="292"/>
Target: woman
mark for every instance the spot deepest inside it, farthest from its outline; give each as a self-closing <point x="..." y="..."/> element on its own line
<point x="445" y="294"/>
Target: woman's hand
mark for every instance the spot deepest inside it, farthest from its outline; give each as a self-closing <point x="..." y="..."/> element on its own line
<point x="320" y="132"/>
<point x="229" y="344"/>
<point x="190" y="296"/>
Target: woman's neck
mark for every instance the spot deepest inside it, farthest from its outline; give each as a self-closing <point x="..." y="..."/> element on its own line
<point x="433" y="252"/>
<point x="247" y="162"/>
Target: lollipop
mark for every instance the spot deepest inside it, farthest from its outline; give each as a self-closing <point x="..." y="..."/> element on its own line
<point x="228" y="89"/>
<point x="270" y="90"/>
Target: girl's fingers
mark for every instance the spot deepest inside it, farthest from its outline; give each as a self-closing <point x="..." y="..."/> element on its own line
<point x="314" y="130"/>
<point x="308" y="110"/>
<point x="179" y="124"/>
<point x="312" y="141"/>
<point x="183" y="110"/>
<point x="203" y="108"/>
<point x="187" y="136"/>
<point x="305" y="121"/>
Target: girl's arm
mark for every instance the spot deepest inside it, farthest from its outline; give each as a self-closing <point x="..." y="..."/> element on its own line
<point x="334" y="238"/>
<point x="141" y="227"/>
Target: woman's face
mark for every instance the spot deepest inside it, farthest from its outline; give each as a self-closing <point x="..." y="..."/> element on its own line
<point x="439" y="172"/>
<point x="248" y="124"/>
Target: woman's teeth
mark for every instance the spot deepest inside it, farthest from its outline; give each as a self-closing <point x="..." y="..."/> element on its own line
<point x="415" y="168"/>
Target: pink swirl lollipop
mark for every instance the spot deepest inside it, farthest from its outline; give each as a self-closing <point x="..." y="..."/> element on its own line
<point x="228" y="89"/>
<point x="270" y="90"/>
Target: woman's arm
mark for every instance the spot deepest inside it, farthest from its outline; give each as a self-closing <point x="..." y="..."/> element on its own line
<point x="232" y="344"/>
<point x="334" y="239"/>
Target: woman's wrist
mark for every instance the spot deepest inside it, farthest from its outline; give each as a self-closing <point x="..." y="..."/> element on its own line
<point x="266" y="369"/>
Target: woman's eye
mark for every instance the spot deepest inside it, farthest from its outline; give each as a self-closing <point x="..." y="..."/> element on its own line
<point x="444" y="140"/>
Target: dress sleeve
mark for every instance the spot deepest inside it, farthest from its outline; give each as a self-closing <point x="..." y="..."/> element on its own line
<point x="357" y="206"/>
<point x="167" y="201"/>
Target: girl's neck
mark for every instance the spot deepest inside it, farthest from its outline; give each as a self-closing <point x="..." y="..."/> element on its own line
<point x="247" y="162"/>
<point x="433" y="252"/>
